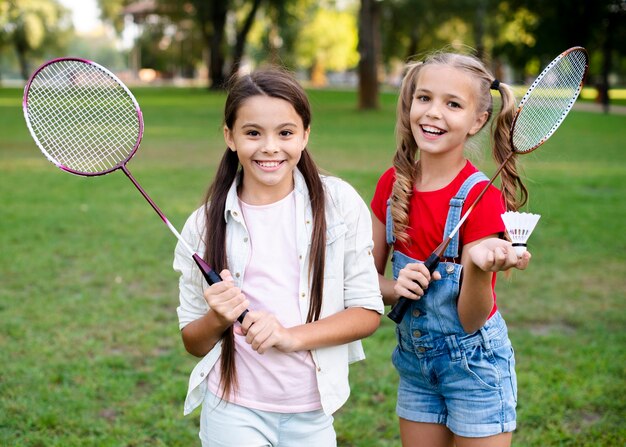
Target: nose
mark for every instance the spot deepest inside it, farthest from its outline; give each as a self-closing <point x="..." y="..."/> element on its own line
<point x="433" y="111"/>
<point x="271" y="145"/>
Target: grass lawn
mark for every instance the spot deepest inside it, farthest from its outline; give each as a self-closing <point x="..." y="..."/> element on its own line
<point x="90" y="351"/>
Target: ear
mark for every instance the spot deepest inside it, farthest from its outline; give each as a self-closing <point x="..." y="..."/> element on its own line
<point x="481" y="119"/>
<point x="228" y="138"/>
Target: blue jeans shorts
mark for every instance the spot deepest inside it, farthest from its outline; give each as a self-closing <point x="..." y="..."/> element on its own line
<point x="465" y="382"/>
<point x="223" y="424"/>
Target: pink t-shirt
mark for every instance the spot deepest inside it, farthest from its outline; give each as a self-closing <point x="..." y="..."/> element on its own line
<point x="274" y="381"/>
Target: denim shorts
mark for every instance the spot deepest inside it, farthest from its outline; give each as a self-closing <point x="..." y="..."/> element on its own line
<point x="224" y="424"/>
<point x="465" y="382"/>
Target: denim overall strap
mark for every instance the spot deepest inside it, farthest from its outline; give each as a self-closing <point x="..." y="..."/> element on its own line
<point x="454" y="212"/>
<point x="391" y="239"/>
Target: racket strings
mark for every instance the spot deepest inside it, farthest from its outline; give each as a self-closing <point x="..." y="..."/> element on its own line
<point x="548" y="101"/>
<point x="83" y="118"/>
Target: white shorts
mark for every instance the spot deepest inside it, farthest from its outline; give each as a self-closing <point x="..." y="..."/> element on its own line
<point x="223" y="424"/>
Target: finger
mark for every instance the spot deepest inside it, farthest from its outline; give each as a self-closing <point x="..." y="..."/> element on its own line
<point x="417" y="277"/>
<point x="523" y="261"/>
<point x="406" y="293"/>
<point x="500" y="257"/>
<point x="241" y="307"/>
<point x="226" y="276"/>
<point x="410" y="286"/>
<point x="258" y="335"/>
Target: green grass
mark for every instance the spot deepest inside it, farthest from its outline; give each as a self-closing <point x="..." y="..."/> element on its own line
<point x="89" y="342"/>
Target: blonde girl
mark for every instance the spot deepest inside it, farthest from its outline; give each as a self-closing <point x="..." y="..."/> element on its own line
<point x="454" y="358"/>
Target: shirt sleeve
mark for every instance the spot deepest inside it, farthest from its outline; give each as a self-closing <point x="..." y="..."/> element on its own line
<point x="192" y="304"/>
<point x="382" y="193"/>
<point x="361" y="287"/>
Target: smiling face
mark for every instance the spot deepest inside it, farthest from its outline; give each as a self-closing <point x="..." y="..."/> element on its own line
<point x="268" y="136"/>
<point x="443" y="111"/>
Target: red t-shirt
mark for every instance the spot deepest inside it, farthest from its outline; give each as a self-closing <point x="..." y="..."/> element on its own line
<point x="428" y="212"/>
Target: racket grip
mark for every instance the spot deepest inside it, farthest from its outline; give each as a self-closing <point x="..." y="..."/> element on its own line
<point x="212" y="277"/>
<point x="402" y="305"/>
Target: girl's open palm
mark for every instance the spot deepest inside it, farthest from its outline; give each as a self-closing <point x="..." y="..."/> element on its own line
<point x="495" y="255"/>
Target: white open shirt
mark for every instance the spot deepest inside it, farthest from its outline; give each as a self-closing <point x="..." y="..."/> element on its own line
<point x="350" y="279"/>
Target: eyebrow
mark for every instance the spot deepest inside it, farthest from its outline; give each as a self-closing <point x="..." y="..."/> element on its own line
<point x="255" y="125"/>
<point x="447" y="95"/>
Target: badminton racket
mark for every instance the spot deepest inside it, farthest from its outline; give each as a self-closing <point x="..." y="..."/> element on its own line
<point x="539" y="114"/>
<point x="88" y="123"/>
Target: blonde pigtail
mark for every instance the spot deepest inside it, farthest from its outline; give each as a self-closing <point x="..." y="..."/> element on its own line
<point x="513" y="189"/>
<point x="404" y="160"/>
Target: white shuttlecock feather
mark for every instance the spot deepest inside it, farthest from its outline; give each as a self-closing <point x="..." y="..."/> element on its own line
<point x="520" y="226"/>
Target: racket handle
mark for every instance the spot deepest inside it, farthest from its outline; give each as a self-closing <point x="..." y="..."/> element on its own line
<point x="212" y="277"/>
<point x="402" y="305"/>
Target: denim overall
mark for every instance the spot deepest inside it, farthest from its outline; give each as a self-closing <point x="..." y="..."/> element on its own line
<point x="464" y="381"/>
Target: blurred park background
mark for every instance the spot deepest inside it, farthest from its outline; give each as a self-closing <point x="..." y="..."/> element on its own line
<point x="90" y="353"/>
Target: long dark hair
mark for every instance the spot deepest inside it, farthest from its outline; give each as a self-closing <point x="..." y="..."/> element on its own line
<point x="276" y="83"/>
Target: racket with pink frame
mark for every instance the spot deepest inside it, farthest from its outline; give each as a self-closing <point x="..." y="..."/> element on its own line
<point x="539" y="114"/>
<point x="88" y="123"/>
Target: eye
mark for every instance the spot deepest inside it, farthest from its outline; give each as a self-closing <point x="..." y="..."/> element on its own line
<point x="422" y="98"/>
<point x="454" y="105"/>
<point x="253" y="133"/>
<point x="286" y="133"/>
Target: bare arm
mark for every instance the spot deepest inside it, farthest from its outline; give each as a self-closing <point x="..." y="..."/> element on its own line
<point x="263" y="331"/>
<point x="481" y="259"/>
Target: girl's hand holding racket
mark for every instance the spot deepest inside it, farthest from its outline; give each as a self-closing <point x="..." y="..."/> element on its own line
<point x="413" y="281"/>
<point x="226" y="300"/>
<point x="495" y="255"/>
<point x="263" y="331"/>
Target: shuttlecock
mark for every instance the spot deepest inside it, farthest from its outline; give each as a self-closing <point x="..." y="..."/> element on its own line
<point x="520" y="226"/>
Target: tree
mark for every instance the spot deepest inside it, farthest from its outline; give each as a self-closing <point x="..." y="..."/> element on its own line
<point x="614" y="34"/>
<point x="242" y="35"/>
<point x="328" y="42"/>
<point x="369" y="44"/>
<point x="32" y="27"/>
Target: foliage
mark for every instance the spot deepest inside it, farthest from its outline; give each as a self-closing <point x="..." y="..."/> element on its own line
<point x="188" y="37"/>
<point x="89" y="343"/>
<point x="330" y="40"/>
<point x="33" y="27"/>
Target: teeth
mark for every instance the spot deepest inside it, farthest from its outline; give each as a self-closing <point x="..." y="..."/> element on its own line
<point x="268" y="164"/>
<point x="432" y="130"/>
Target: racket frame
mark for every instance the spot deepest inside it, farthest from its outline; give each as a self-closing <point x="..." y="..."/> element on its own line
<point x="209" y="274"/>
<point x="121" y="163"/>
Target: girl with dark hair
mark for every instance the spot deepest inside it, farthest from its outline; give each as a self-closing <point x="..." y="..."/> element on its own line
<point x="454" y="358"/>
<point x="294" y="247"/>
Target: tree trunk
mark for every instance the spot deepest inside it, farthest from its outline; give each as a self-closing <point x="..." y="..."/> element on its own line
<point x="20" y="51"/>
<point x="479" y="29"/>
<point x="242" y="36"/>
<point x="369" y="43"/>
<point x="607" y="49"/>
<point x="216" y="52"/>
